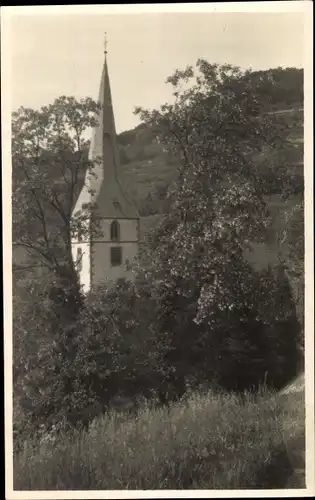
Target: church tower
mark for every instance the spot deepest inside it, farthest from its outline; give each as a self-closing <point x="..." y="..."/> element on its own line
<point x="109" y="254"/>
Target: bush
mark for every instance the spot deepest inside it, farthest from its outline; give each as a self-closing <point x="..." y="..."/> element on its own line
<point x="117" y="351"/>
<point x="45" y="328"/>
<point x="84" y="362"/>
<point x="254" y="342"/>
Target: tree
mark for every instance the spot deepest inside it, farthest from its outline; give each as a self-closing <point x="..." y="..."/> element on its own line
<point x="49" y="161"/>
<point x="155" y="202"/>
<point x="216" y="127"/>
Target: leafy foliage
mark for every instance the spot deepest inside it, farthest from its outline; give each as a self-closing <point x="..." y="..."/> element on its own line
<point x="217" y="208"/>
<point x="49" y="153"/>
<point x="49" y="156"/>
<point x="45" y="331"/>
<point x="209" y="299"/>
<point x="105" y="350"/>
<point x="118" y="353"/>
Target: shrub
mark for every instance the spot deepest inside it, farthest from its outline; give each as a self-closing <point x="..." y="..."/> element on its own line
<point x="105" y="350"/>
<point x="255" y="341"/>
<point x="45" y="332"/>
<point x="117" y="351"/>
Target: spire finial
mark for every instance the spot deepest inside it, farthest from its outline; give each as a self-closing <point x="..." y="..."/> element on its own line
<point x="105" y="43"/>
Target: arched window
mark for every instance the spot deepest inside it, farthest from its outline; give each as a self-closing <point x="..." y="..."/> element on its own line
<point x="79" y="259"/>
<point x="115" y="231"/>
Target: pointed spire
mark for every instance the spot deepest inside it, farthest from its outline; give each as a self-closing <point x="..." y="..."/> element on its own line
<point x="111" y="198"/>
<point x="110" y="150"/>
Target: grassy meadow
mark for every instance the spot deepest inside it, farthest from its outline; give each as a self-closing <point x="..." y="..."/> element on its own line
<point x="206" y="441"/>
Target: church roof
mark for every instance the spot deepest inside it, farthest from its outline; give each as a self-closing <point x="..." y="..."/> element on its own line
<point x="107" y="191"/>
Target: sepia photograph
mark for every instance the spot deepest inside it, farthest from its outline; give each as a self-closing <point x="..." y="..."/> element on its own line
<point x="156" y="184"/>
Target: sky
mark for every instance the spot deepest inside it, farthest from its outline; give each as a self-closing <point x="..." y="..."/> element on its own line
<point x="62" y="54"/>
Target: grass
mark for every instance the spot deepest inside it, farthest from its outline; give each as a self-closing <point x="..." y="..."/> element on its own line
<point x="207" y="441"/>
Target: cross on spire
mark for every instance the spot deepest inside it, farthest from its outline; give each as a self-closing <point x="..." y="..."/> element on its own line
<point x="105" y="43"/>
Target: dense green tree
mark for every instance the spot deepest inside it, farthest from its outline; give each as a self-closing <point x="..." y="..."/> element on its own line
<point x="216" y="127"/>
<point x="49" y="161"/>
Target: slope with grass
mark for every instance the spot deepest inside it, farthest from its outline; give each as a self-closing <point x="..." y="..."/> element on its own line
<point x="207" y="441"/>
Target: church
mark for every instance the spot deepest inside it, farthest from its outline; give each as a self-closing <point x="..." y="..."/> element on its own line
<point x="109" y="254"/>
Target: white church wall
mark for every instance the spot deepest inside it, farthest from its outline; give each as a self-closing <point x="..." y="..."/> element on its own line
<point x="101" y="261"/>
<point x="102" y="268"/>
<point x="84" y="273"/>
<point x="128" y="230"/>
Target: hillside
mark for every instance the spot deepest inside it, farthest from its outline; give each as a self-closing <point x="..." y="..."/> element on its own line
<point x="146" y="167"/>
